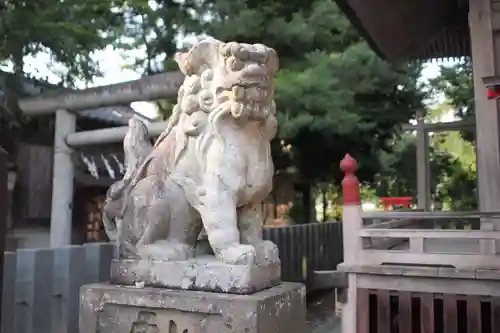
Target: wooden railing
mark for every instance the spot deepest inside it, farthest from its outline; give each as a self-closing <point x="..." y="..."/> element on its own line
<point x="411" y="237"/>
<point x="405" y="312"/>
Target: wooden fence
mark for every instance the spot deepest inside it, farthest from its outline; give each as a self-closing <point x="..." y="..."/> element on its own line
<point x="41" y="286"/>
<point x="306" y="248"/>
<point x="384" y="311"/>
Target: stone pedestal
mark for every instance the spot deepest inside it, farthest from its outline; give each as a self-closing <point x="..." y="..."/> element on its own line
<point x="201" y="273"/>
<point x="107" y="308"/>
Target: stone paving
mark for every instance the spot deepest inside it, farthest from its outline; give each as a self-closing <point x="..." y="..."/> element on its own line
<point x="321" y="317"/>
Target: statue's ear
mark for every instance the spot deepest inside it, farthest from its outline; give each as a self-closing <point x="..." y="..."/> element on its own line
<point x="201" y="56"/>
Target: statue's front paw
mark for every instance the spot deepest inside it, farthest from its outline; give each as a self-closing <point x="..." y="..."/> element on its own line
<point x="267" y="253"/>
<point x="238" y="255"/>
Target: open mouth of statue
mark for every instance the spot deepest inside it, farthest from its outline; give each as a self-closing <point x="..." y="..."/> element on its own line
<point x="249" y="93"/>
<point x="254" y="81"/>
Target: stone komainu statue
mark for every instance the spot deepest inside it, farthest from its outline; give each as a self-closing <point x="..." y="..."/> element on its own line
<point x="211" y="167"/>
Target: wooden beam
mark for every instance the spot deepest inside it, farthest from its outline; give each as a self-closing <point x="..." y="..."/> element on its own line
<point x="491" y="81"/>
<point x="444" y="126"/>
<point x="145" y="89"/>
<point x="484" y="24"/>
<point x="435" y="233"/>
<point x="86" y="180"/>
<point x="428" y="215"/>
<point x="423" y="165"/>
<point x="108" y="135"/>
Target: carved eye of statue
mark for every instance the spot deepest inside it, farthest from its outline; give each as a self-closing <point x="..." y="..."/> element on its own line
<point x="234" y="64"/>
<point x="258" y="57"/>
<point x="260" y="54"/>
<point x="243" y="54"/>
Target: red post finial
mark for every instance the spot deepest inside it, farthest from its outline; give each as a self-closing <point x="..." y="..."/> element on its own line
<point x="350" y="184"/>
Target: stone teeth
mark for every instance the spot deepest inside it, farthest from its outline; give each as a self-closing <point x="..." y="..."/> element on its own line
<point x="238" y="92"/>
<point x="236" y="110"/>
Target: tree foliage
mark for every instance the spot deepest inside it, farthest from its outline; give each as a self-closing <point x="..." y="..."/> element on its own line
<point x="69" y="31"/>
<point x="334" y="95"/>
<point x="455" y="84"/>
<point x="452" y="163"/>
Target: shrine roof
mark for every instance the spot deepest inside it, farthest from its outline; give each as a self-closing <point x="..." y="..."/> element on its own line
<point x="415" y="29"/>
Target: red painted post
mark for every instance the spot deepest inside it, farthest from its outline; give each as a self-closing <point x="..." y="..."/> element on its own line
<point x="350" y="184"/>
<point x="352" y="223"/>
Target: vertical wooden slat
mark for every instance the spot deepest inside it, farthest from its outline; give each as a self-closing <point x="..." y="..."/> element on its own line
<point x="68" y="279"/>
<point x="33" y="291"/>
<point x="404" y="312"/>
<point x="4" y="208"/>
<point x="319" y="243"/>
<point x="296" y="253"/>
<point x="363" y="311"/>
<point x="8" y="285"/>
<point x="383" y="311"/>
<point x="495" y="314"/>
<point x="98" y="258"/>
<point x="283" y="236"/>
<point x="426" y="313"/>
<point x="473" y="314"/>
<point x="450" y="313"/>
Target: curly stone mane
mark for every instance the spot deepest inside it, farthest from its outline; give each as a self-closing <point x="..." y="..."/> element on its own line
<point x="223" y="80"/>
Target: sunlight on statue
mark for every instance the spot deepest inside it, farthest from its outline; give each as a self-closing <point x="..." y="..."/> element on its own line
<point x="211" y="167"/>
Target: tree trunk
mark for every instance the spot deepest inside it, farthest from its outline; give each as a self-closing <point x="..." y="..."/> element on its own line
<point x="305" y="190"/>
<point x="325" y="204"/>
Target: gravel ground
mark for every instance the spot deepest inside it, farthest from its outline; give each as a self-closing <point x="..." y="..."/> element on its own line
<point x="321" y="317"/>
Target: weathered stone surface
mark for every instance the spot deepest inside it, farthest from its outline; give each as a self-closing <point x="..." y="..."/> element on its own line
<point x="204" y="273"/>
<point x="210" y="168"/>
<point x="108" y="308"/>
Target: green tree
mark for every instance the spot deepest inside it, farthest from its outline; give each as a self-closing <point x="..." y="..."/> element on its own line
<point x="69" y="31"/>
<point x="334" y="95"/>
<point x="154" y="26"/>
<point x="452" y="162"/>
<point x="455" y="82"/>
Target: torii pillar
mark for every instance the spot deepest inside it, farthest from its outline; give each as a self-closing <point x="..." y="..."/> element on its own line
<point x="484" y="23"/>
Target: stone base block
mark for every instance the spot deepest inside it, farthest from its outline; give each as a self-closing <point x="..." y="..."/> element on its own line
<point x="107" y="308"/>
<point x="203" y="273"/>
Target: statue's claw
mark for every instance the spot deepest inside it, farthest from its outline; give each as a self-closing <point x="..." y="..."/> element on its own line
<point x="238" y="255"/>
<point x="266" y="253"/>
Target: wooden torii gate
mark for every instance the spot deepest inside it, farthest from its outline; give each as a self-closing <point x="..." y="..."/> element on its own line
<point x="65" y="106"/>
